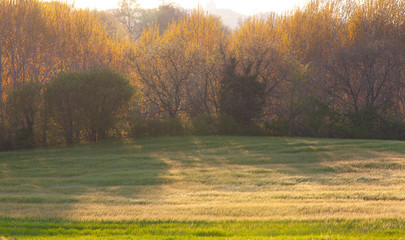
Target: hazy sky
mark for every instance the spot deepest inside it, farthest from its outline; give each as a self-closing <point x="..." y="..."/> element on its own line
<point x="247" y="7"/>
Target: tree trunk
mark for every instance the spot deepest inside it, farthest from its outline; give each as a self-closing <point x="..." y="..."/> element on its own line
<point x="1" y="76"/>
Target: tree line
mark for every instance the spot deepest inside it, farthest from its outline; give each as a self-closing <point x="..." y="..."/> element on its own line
<point x="330" y="69"/>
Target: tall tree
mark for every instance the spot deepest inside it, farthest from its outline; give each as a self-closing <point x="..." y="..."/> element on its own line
<point x="241" y="96"/>
<point x="365" y="68"/>
<point x="167" y="14"/>
<point x="205" y="44"/>
<point x="257" y="51"/>
<point x="129" y="15"/>
<point x="183" y="65"/>
<point x="22" y="106"/>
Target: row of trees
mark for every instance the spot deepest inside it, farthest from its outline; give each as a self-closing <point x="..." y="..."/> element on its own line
<point x="331" y="69"/>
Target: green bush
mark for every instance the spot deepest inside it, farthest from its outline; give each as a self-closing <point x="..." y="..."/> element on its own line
<point x="5" y="140"/>
<point x="363" y="124"/>
<point x="204" y="125"/>
<point x="201" y="125"/>
<point x="86" y="105"/>
<point x="157" y="127"/>
<point x="241" y="95"/>
<point x="22" y="111"/>
<point x="277" y="127"/>
<point x="227" y="125"/>
<point x="323" y="121"/>
<point x="253" y="129"/>
<point x="393" y="129"/>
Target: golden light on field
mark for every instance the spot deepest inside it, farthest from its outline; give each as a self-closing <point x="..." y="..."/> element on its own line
<point x="227" y="182"/>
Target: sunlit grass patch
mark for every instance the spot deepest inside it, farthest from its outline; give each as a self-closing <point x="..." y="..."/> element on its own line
<point x="206" y="178"/>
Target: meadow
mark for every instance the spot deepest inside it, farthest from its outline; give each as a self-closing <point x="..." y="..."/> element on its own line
<point x="206" y="187"/>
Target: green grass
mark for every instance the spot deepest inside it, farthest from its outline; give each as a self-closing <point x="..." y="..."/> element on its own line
<point x="219" y="182"/>
<point x="283" y="229"/>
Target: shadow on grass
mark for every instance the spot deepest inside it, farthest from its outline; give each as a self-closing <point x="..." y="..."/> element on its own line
<point x="55" y="182"/>
<point x="50" y="183"/>
<point x="302" y="159"/>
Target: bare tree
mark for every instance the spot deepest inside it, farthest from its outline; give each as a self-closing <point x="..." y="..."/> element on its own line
<point x="129" y="15"/>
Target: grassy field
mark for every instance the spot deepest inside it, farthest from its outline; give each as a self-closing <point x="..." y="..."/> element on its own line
<point x="212" y="185"/>
<point x="268" y="229"/>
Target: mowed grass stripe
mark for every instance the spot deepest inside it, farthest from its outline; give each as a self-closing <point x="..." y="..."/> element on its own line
<point x="28" y="228"/>
<point x="207" y="178"/>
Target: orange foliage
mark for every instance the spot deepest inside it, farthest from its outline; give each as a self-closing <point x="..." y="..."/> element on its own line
<point x="40" y="39"/>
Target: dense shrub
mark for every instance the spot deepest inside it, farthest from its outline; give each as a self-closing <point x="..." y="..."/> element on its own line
<point x="242" y="97"/>
<point x="200" y="126"/>
<point x="5" y="140"/>
<point x="227" y="125"/>
<point x="86" y="105"/>
<point x="277" y="127"/>
<point x="393" y="129"/>
<point x="323" y="121"/>
<point x="204" y="125"/>
<point x="22" y="110"/>
<point x="157" y="127"/>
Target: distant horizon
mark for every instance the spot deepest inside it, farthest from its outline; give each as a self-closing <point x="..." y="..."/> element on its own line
<point x="251" y="8"/>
